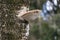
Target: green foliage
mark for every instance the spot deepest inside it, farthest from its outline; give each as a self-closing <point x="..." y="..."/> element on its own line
<point x="35" y="31"/>
<point x="56" y="19"/>
<point x="36" y="4"/>
<point x="47" y="32"/>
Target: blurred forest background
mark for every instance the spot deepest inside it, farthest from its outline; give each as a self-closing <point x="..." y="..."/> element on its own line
<point x="39" y="29"/>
